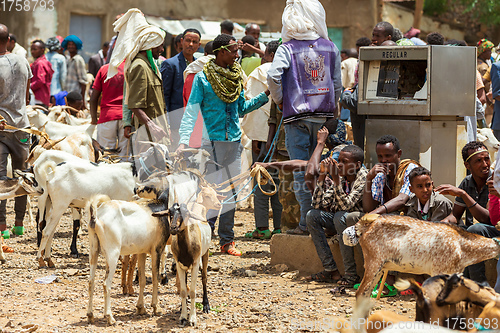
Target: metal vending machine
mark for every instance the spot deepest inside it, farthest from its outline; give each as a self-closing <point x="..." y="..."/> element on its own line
<point x="420" y="94"/>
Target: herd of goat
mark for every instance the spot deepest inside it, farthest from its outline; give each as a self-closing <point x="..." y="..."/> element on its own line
<point x="132" y="214"/>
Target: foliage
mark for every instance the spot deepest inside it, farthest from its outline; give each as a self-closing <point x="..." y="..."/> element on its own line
<point x="479" y="11"/>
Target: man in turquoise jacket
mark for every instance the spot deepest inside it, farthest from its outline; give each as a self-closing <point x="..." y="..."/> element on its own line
<point x="218" y="92"/>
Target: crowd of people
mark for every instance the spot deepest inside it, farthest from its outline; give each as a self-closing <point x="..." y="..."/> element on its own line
<point x="290" y="97"/>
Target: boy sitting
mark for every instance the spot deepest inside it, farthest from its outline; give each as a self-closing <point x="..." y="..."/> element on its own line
<point x="426" y="204"/>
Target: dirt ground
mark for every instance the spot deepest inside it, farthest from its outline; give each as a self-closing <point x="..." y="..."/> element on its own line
<point x="240" y="300"/>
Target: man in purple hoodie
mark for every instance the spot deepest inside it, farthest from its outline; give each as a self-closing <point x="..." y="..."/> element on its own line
<point x="305" y="81"/>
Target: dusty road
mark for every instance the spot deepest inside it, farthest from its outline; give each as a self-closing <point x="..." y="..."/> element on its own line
<point x="270" y="301"/>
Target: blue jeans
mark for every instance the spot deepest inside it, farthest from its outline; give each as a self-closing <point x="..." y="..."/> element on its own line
<point x="477" y="272"/>
<point x="261" y="200"/>
<point x="300" y="141"/>
<point x="228" y="156"/>
<point x="317" y="221"/>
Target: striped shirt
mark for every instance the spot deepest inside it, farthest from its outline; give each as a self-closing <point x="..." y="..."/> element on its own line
<point x="77" y="74"/>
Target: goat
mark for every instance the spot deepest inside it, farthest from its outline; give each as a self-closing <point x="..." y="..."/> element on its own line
<point x="77" y="144"/>
<point x="404" y="244"/>
<point x="486" y="136"/>
<point x="489" y="319"/>
<point x="73" y="182"/>
<point x="124" y="228"/>
<point x="60" y="114"/>
<point x="457" y="289"/>
<point x="191" y="237"/>
<point x="54" y="129"/>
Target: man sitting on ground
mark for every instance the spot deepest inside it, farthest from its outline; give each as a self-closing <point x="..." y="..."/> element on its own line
<point x="337" y="204"/>
<point x="472" y="198"/>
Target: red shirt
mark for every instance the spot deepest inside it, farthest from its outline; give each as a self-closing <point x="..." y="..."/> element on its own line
<point x="42" y="76"/>
<point x="112" y="94"/>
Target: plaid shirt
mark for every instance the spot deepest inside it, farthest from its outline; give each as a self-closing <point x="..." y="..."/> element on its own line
<point x="334" y="198"/>
<point x="380" y="181"/>
<point x="76" y="73"/>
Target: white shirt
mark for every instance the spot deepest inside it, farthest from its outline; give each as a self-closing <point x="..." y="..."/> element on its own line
<point x="254" y="124"/>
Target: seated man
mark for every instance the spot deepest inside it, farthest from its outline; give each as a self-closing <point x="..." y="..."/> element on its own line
<point x="387" y="183"/>
<point x="388" y="186"/>
<point x="472" y="198"/>
<point x="425" y="204"/>
<point x="337" y="205"/>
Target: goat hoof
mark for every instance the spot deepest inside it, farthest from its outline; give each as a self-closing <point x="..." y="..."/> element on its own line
<point x="74" y="254"/>
<point x="50" y="263"/>
<point x="110" y="319"/>
<point x="141" y="310"/>
<point x="164" y="280"/>
<point x="41" y="263"/>
<point x="3" y="261"/>
<point x="90" y="317"/>
<point x="183" y="322"/>
<point x="156" y="311"/>
<point x="206" y="308"/>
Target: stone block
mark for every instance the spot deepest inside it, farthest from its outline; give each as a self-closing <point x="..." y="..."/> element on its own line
<point x="299" y="253"/>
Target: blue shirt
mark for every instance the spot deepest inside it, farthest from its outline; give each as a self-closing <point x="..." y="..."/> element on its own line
<point x="58" y="62"/>
<point x="173" y="81"/>
<point x="221" y="120"/>
<point x="495" y="89"/>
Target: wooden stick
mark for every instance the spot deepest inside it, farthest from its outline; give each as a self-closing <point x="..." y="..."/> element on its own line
<point x="381" y="287"/>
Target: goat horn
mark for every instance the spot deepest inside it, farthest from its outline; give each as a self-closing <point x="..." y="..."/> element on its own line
<point x="67" y="107"/>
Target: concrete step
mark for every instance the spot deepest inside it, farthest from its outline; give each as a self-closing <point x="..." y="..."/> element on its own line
<point x="299" y="253"/>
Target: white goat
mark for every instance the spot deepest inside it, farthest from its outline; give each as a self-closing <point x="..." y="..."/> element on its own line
<point x="54" y="129"/>
<point x="486" y="136"/>
<point x="405" y="244"/>
<point x="191" y="237"/>
<point x="73" y="181"/>
<point x="60" y="114"/>
<point x="124" y="228"/>
<point x="78" y="144"/>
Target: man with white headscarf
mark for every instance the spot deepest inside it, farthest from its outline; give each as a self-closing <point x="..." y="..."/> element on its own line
<point x="139" y="44"/>
<point x="305" y="81"/>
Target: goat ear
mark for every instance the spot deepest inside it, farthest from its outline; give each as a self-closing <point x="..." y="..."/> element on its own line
<point x="221" y="197"/>
<point x="161" y="214"/>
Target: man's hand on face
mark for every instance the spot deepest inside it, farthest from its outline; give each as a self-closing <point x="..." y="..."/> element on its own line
<point x="377" y="168"/>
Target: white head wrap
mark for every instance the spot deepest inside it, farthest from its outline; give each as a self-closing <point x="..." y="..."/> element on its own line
<point x="303" y="20"/>
<point x="135" y="34"/>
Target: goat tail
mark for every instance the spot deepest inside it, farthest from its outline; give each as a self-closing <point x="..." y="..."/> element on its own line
<point x="361" y="313"/>
<point x="95" y="203"/>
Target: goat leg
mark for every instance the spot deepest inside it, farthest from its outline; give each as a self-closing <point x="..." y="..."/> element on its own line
<point x="73" y="248"/>
<point x="40" y="227"/>
<point x="130" y="274"/>
<point x="206" y="306"/>
<point x="125" y="265"/>
<point x="142" y="283"/>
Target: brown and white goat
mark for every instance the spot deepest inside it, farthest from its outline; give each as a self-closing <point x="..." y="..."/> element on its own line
<point x="405" y="244"/>
<point x="191" y="236"/>
<point x="123" y="228"/>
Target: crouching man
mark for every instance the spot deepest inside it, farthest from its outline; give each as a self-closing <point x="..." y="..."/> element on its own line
<point x="337" y="204"/>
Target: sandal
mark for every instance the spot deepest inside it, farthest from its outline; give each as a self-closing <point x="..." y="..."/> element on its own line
<point x="7" y="249"/>
<point x="391" y="293"/>
<point x="5" y="234"/>
<point x="408" y="292"/>
<point x="18" y="230"/>
<point x="324" y="276"/>
<point x="392" y="290"/>
<point x="349" y="281"/>
<point x="230" y="249"/>
<point x="276" y="231"/>
<point x="258" y="234"/>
